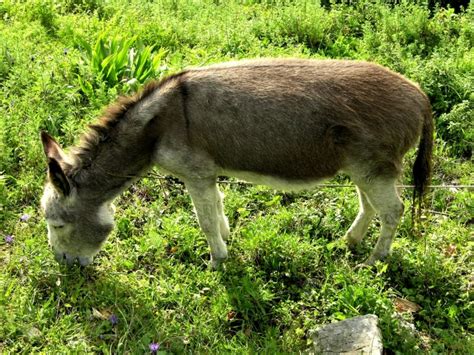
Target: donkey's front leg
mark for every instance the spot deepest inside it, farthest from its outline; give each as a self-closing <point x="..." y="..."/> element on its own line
<point x="207" y="202"/>
<point x="223" y="220"/>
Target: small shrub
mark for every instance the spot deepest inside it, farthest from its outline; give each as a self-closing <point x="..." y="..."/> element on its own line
<point x="457" y="128"/>
<point x="119" y="61"/>
<point x="45" y="12"/>
<point x="86" y="6"/>
<point x="6" y="62"/>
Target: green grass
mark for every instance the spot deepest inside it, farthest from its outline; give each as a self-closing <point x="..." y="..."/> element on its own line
<point x="288" y="271"/>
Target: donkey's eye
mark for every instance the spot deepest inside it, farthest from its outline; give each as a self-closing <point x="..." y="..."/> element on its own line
<point x="58" y="227"/>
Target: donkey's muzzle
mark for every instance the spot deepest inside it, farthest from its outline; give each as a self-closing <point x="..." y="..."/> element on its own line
<point x="69" y="260"/>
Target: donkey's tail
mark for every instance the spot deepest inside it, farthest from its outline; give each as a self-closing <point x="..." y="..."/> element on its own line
<point x="423" y="164"/>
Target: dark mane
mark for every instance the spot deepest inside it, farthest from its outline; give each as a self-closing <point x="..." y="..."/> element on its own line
<point x="101" y="131"/>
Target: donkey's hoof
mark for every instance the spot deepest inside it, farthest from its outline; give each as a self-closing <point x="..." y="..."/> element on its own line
<point x="363" y="265"/>
<point x="217" y="263"/>
<point x="352" y="246"/>
<point x="370" y="261"/>
<point x="373" y="259"/>
<point x="351" y="241"/>
<point x="377" y="256"/>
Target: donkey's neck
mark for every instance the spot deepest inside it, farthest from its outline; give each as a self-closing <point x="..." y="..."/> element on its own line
<point x="119" y="149"/>
<point x="116" y="166"/>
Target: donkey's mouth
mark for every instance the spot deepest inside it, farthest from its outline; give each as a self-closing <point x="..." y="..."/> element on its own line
<point x="67" y="259"/>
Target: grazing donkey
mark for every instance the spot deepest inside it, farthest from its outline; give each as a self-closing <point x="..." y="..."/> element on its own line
<point x="283" y="122"/>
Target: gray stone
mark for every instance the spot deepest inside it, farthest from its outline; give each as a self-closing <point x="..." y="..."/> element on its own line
<point x="358" y="335"/>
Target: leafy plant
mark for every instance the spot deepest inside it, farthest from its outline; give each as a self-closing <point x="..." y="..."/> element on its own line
<point x="78" y="6"/>
<point x="6" y="62"/>
<point x="120" y="61"/>
<point x="457" y="128"/>
<point x="45" y="12"/>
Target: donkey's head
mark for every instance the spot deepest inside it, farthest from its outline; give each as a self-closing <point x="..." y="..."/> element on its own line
<point x="77" y="226"/>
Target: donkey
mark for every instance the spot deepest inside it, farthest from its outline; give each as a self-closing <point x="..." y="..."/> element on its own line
<point x="287" y="123"/>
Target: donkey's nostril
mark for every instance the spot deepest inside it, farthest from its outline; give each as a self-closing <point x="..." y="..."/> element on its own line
<point x="70" y="259"/>
<point x="59" y="257"/>
<point x="84" y="261"/>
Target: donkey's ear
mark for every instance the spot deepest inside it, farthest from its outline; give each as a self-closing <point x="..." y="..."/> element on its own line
<point x="52" y="148"/>
<point x="57" y="177"/>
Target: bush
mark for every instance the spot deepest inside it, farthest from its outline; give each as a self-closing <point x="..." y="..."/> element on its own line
<point x="119" y="61"/>
<point x="457" y="128"/>
<point x="45" y="12"/>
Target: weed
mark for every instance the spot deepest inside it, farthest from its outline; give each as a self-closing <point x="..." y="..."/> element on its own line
<point x="119" y="61"/>
<point x="45" y="12"/>
<point x="457" y="127"/>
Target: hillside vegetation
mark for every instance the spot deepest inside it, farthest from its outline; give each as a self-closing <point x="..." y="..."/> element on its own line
<point x="62" y="62"/>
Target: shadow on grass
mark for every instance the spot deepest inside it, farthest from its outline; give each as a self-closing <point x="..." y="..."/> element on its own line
<point x="251" y="317"/>
<point x="258" y="290"/>
<point x="257" y="284"/>
<point x="110" y="314"/>
<point x="439" y="286"/>
<point x="437" y="283"/>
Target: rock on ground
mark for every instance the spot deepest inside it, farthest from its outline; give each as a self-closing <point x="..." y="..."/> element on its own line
<point x="358" y="335"/>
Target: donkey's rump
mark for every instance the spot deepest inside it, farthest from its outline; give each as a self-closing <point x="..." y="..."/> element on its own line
<point x="298" y="119"/>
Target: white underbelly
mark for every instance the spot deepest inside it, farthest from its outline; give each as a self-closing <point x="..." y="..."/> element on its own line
<point x="272" y="181"/>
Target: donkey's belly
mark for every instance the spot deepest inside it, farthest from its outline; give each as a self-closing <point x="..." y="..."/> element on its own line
<point x="188" y="164"/>
<point x="276" y="182"/>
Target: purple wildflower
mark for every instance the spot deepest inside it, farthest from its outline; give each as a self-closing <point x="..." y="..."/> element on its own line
<point x="154" y="347"/>
<point x="9" y="239"/>
<point x="25" y="217"/>
<point x="113" y="319"/>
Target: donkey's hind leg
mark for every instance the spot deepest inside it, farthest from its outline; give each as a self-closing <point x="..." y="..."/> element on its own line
<point x="359" y="227"/>
<point x="208" y="204"/>
<point x="383" y="196"/>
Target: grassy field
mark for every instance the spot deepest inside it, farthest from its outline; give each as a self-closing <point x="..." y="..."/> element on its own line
<point x="62" y="62"/>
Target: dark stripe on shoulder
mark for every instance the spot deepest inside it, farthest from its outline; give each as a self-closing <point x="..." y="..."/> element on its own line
<point x="184" y="92"/>
<point x="178" y="80"/>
